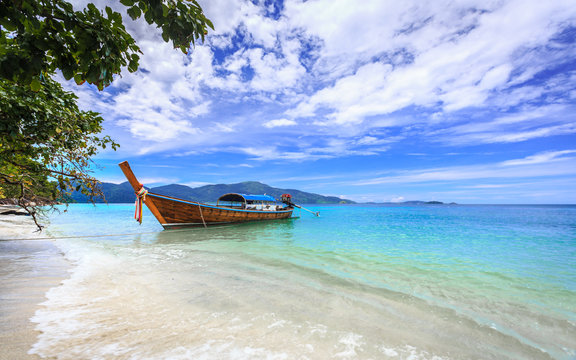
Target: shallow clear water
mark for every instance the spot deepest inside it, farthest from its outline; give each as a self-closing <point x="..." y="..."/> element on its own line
<point x="366" y="282"/>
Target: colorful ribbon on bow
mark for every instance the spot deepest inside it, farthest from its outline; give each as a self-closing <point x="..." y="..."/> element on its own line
<point x="140" y="196"/>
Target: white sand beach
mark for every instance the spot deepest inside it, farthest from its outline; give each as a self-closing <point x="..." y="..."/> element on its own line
<point x="28" y="269"/>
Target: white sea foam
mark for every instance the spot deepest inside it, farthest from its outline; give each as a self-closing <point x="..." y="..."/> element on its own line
<point x="408" y="352"/>
<point x="352" y="342"/>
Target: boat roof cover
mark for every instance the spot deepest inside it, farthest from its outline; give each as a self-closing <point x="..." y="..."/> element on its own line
<point x="245" y="197"/>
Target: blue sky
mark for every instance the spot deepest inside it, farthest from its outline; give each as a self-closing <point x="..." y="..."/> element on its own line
<point x="465" y="101"/>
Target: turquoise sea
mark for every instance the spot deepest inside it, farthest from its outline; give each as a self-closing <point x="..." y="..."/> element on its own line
<point x="358" y="282"/>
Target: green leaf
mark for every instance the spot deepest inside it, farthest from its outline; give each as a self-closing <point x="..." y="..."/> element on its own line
<point x="134" y="12"/>
<point x="79" y="79"/>
<point x="35" y="85"/>
<point x="149" y="17"/>
<point x="127" y="2"/>
<point x="93" y="75"/>
<point x="68" y="73"/>
<point x="133" y="66"/>
<point x="7" y="24"/>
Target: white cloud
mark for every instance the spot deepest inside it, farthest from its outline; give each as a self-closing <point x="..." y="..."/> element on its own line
<point x="113" y="180"/>
<point x="279" y="123"/>
<point x="525" y="135"/>
<point x="505" y="134"/>
<point x="352" y="97"/>
<point x="454" y="55"/>
<point x="227" y="15"/>
<point x="194" y="184"/>
<point x="397" y="199"/>
<point x="527" y="123"/>
<point x="147" y="181"/>
<point x="530" y="116"/>
<point x="547" y="164"/>
<point x="309" y="150"/>
<point x="263" y="30"/>
<point x="344" y="72"/>
<point x="544" y="157"/>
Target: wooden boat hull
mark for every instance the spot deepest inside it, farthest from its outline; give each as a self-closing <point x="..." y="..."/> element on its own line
<point x="182" y="213"/>
<point x="173" y="212"/>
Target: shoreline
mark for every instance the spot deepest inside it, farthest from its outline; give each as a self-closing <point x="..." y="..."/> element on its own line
<point x="28" y="269"/>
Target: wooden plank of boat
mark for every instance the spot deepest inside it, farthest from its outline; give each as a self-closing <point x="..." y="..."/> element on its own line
<point x="174" y="212"/>
<point x="178" y="212"/>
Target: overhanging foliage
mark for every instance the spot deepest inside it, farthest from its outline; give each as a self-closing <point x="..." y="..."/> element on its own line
<point x="46" y="141"/>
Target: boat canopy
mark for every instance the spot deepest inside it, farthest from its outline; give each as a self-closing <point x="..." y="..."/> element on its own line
<point x="244" y="198"/>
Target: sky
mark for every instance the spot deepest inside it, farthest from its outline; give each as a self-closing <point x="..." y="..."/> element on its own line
<point x="470" y="101"/>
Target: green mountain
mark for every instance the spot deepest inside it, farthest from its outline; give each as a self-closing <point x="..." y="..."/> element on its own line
<point x="213" y="192"/>
<point x="114" y="193"/>
<point x="123" y="193"/>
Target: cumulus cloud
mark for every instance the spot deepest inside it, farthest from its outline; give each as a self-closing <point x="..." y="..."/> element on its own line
<point x="449" y="73"/>
<point x="453" y="56"/>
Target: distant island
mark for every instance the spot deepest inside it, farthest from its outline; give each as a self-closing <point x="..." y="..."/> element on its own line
<point x="123" y="193"/>
<point x="413" y="202"/>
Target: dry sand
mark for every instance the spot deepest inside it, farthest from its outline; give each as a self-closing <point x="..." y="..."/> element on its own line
<point x="28" y="269"/>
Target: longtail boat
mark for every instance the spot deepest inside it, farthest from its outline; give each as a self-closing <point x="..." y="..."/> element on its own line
<point x="173" y="212"/>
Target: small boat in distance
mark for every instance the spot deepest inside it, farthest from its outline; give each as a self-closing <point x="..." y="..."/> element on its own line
<point x="173" y="212"/>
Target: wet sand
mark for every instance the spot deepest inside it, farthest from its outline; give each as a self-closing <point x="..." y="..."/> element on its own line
<point x="28" y="269"/>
